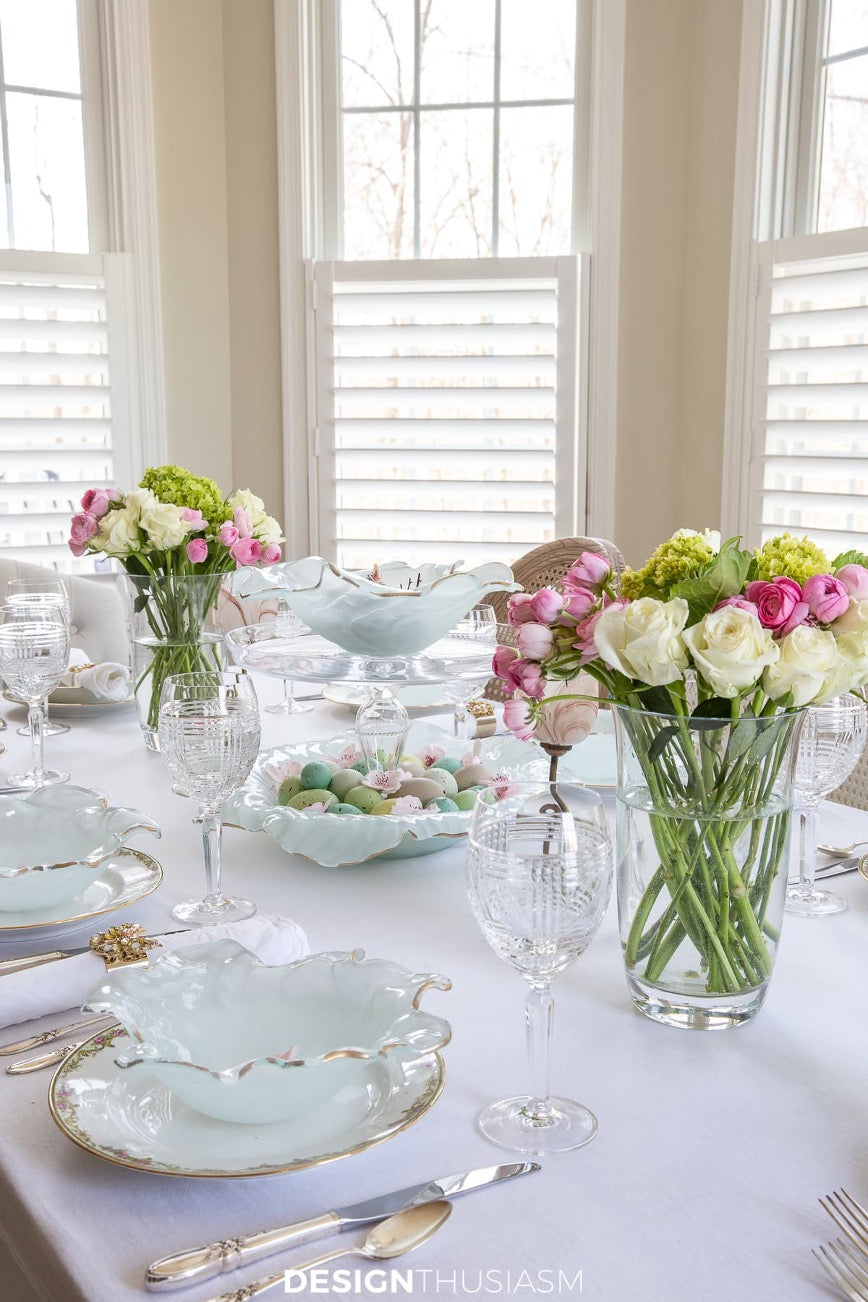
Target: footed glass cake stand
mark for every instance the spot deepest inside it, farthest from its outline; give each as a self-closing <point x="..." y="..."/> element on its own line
<point x="458" y="663"/>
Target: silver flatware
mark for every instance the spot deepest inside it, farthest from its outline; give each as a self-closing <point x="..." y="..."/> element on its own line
<point x="194" y="1264"/>
<point x="838" y="851"/>
<point x="54" y="1056"/>
<point x="849" y="1215"/>
<point x="45" y="1037"/>
<point x="53" y="955"/>
<point x="838" y="869"/>
<point x="847" y="1267"/>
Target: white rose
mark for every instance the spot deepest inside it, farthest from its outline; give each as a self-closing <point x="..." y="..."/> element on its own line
<point x="254" y="506"/>
<point x="267" y="530"/>
<point x="118" y="533"/>
<point x="730" y="649"/>
<point x="854" y="620"/>
<point x="850" y="671"/>
<point x="808" y="658"/>
<point x="138" y="501"/>
<point x="643" y="639"/>
<point x="164" y="525"/>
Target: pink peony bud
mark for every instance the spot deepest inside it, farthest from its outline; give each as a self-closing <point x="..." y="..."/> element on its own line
<point x="77" y="549"/>
<point x="270" y="553"/>
<point x="827" y="597"/>
<point x="855" y="580"/>
<point x="579" y="604"/>
<point x="227" y="534"/>
<point x="193" y="517"/>
<point x="518" y="609"/>
<point x="535" y="641"/>
<point x="82" y="527"/>
<point x="97" y="501"/>
<point x="243" y="522"/>
<point x="516" y="716"/>
<point x="740" y="603"/>
<point x="197" y="551"/>
<point x="501" y="660"/>
<point x="591" y="570"/>
<point x="246" y="551"/>
<point x="779" y="604"/>
<point x="546" y="605"/>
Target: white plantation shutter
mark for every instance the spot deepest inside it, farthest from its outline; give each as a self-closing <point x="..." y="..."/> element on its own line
<point x="448" y="400"/>
<point x="57" y="408"/>
<point x="809" y="462"/>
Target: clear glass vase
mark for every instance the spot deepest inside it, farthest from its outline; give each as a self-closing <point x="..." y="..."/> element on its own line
<point x="703" y="830"/>
<point x="172" y="629"/>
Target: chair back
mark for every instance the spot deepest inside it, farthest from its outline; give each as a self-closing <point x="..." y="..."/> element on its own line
<point x="97" y="613"/>
<point x="854" y="791"/>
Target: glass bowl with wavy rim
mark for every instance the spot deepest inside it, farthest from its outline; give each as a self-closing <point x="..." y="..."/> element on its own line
<point x="55" y="841"/>
<point x="243" y="1042"/>
<point x="401" y="612"/>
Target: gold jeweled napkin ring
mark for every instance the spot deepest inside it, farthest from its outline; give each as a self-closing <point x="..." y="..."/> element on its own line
<point x="483" y="713"/>
<point x="123" y="946"/>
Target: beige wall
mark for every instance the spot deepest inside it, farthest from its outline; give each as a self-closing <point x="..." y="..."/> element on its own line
<point x="217" y="187"/>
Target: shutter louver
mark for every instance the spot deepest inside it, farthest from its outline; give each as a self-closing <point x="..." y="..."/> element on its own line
<point x="446" y="408"/>
<point x="811" y="463"/>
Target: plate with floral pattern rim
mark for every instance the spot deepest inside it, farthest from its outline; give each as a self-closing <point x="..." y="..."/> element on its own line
<point x="125" y="878"/>
<point x="130" y="1119"/>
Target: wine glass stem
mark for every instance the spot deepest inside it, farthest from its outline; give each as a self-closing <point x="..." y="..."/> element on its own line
<point x="808" y="821"/>
<point x="288" y="692"/>
<point x="212" y="840"/>
<point x="539" y="1008"/>
<point x="36" y="720"/>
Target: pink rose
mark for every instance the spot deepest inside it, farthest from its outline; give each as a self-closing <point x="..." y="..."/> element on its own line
<point x="546" y="605"/>
<point x="197" y="550"/>
<point x="779" y="604"/>
<point x="77" y="549"/>
<point x="591" y="570"/>
<point x="740" y="603"/>
<point x="247" y="551"/>
<point x="584" y="642"/>
<point x="227" y="534"/>
<point x="579" y="604"/>
<point x="827" y="597"/>
<point x="193" y="517"/>
<point x="97" y="501"/>
<point x="516" y="716"/>
<point x="518" y="609"/>
<point x="535" y="641"/>
<point x="270" y="553"/>
<point x="501" y="660"/>
<point x="243" y="522"/>
<point x="82" y="527"/>
<point x="527" y="676"/>
<point x="855" y="580"/>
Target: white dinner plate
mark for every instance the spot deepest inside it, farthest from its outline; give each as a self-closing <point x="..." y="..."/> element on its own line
<point x="127" y="877"/>
<point x="75" y="703"/>
<point x="424" y="696"/>
<point x="130" y="1119"/>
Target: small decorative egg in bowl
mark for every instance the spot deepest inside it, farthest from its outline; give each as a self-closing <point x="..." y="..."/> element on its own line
<point x="55" y="841"/>
<point x="246" y="1043"/>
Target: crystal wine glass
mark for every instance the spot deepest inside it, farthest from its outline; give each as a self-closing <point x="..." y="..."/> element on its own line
<point x="832" y="740"/>
<point x="288" y="624"/>
<point x="539" y="875"/>
<point x="478" y="625"/>
<point x="34" y="653"/>
<point x="209" y="738"/>
<point x="27" y="593"/>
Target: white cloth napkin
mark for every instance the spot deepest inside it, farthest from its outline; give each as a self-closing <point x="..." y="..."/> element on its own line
<point x="66" y="983"/>
<point x="109" y="681"/>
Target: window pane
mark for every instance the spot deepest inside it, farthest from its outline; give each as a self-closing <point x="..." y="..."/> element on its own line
<point x="844" y="161"/>
<point x="457" y="51"/>
<point x="378" y="185"/>
<point x="40" y="44"/>
<point x="456" y="185"/>
<point x="46" y="159"/>
<point x="848" y="25"/>
<point x="538" y="49"/>
<point x="536" y="181"/>
<point x="377" y="40"/>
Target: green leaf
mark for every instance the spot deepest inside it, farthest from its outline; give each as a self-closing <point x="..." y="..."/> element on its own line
<point x="657" y="700"/>
<point x="849" y="558"/>
<point x="725" y="578"/>
<point x="661" y="741"/>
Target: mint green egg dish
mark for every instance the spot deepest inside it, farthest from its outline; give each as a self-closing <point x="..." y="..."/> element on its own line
<point x="316" y="775"/>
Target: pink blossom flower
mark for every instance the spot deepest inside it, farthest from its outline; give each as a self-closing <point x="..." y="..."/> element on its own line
<point x="527" y="676"/>
<point x="535" y="641"/>
<point x="546" y="605"/>
<point x="740" y="603"/>
<point x="385" y="781"/>
<point x="517" y="717"/>
<point x="407" y="805"/>
<point x="193" y="518"/>
<point x="518" y="609"/>
<point x="227" y="534"/>
<point x="247" y="551"/>
<point x="779" y="604"/>
<point x="591" y="570"/>
<point x="82" y="527"/>
<point x="243" y="522"/>
<point x="501" y="660"/>
<point x="579" y="604"/>
<point x="197" y="551"/>
<point x="316" y="807"/>
<point x="855" y="580"/>
<point x="270" y="553"/>
<point x="279" y="770"/>
<point x="349" y="756"/>
<point x="429" y="755"/>
<point x="826" y="596"/>
<point x="97" y="501"/>
<point x="500" y="785"/>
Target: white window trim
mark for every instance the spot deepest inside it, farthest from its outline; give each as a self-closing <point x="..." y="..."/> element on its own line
<point x="298" y="50"/>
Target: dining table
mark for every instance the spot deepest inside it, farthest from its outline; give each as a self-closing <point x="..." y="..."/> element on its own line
<point x="702" y="1182"/>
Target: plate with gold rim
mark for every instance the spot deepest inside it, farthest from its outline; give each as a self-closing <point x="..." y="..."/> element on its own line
<point x="75" y="703"/>
<point x="130" y="1119"/>
<point x="126" y="877"/>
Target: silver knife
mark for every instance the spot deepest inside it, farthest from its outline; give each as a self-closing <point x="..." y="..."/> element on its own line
<point x="228" y="1254"/>
<point x="56" y="1033"/>
<point x="836" y="869"/>
<point x="40" y="1060"/>
<point x="53" y="955"/>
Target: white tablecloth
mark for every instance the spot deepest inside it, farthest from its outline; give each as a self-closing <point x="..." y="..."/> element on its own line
<point x="712" y="1149"/>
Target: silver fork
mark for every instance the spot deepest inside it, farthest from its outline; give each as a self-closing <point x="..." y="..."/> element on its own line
<point x="849" y="1216"/>
<point x="847" y="1266"/>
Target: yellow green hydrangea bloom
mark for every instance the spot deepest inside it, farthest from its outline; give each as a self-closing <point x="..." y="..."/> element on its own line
<point x="683" y="556"/>
<point x="793" y="558"/>
<point x="180" y="487"/>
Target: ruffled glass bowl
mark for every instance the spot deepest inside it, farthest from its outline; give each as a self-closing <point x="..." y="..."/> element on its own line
<point x="243" y="1042"/>
<point x="54" y="842"/>
<point x="405" y="611"/>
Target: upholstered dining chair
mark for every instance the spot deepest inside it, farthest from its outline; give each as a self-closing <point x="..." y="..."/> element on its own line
<point x="96" y="609"/>
<point x="545" y="567"/>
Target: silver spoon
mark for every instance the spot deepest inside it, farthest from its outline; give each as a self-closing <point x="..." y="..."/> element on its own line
<point x="839" y="851"/>
<point x="400" y="1233"/>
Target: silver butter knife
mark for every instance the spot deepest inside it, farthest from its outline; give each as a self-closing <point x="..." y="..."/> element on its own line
<point x="25" y="1065"/>
<point x="214" y="1258"/>
<point x="56" y="1033"/>
<point x="836" y="869"/>
<point x="53" y="955"/>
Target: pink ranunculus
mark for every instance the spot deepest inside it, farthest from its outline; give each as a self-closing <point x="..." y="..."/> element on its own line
<point x="535" y="641"/>
<point x="243" y="523"/>
<point x="270" y="553"/>
<point x="516" y="716"/>
<point x="82" y="527"/>
<point x="518" y="609"/>
<point x="579" y="604"/>
<point x="740" y="603"/>
<point x="566" y="723"/>
<point x="779" y="604"/>
<point x="591" y="570"/>
<point x="227" y="534"/>
<point x="501" y="660"/>
<point x="855" y="580"/>
<point x="77" y="549"/>
<point x="827" y="597"/>
<point x="197" y="551"/>
<point x="246" y="551"/>
<point x="546" y="605"/>
<point x="584" y="642"/>
<point x="527" y="676"/>
<point x="97" y="501"/>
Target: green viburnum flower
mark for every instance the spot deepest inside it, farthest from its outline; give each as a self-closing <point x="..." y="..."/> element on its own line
<point x="180" y="487"/>
<point x="685" y="555"/>
<point x="792" y="558"/>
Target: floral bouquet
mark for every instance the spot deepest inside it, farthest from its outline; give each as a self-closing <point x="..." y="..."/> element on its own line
<point x="708" y="654"/>
<point x="176" y="537"/>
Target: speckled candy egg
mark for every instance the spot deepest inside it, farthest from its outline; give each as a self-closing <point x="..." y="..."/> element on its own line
<point x="313" y="796"/>
<point x="315" y="776"/>
<point x="442" y="805"/>
<point x="289" y="787"/>
<point x="364" y="798"/>
<point x="341" y="807"/>
<point x="424" y="788"/>
<point x="449" y="763"/>
<point x="471" y="775"/>
<point x="343" y="781"/>
<point x="443" y="778"/>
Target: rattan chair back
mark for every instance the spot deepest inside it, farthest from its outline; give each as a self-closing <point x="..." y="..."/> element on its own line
<point x="854" y="791"/>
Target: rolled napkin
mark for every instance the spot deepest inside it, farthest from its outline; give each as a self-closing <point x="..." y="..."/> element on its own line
<point x="106" y="682"/>
<point x="66" y="983"/>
